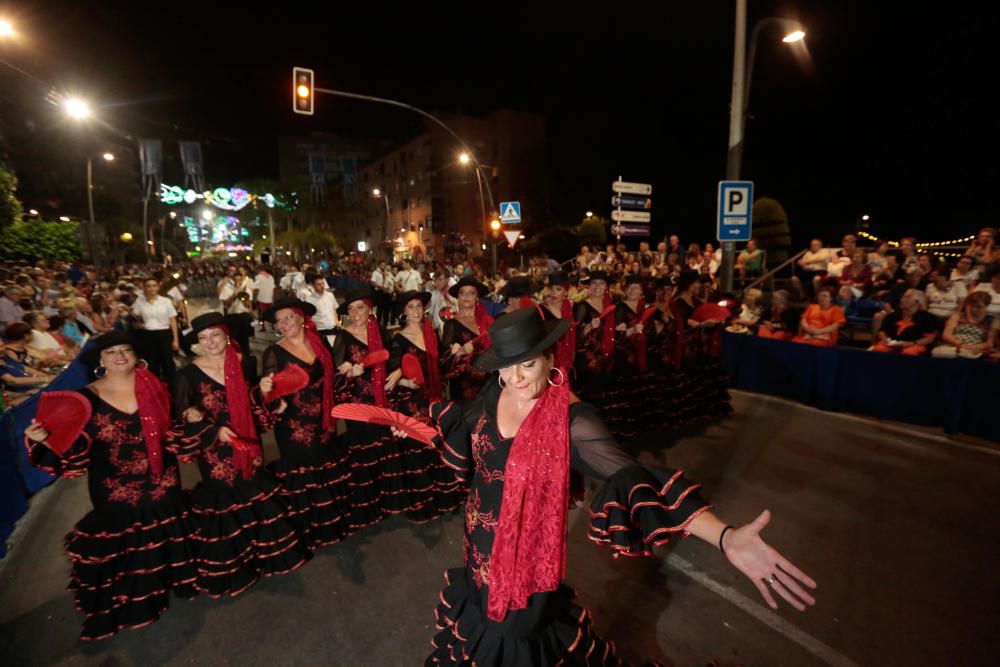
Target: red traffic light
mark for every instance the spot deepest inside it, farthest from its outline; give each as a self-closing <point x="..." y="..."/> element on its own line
<point x="303" y="91"/>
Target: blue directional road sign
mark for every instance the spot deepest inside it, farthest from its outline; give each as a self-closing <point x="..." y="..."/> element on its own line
<point x="632" y="202"/>
<point x="510" y="212"/>
<point x="735" y="210"/>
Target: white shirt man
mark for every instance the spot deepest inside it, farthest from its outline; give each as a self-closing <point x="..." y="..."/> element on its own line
<point x="326" y="306"/>
<point x="378" y="278"/>
<point x="408" y="279"/>
<point x="156" y="315"/>
<point x="941" y="303"/>
<point x="227" y="290"/>
<point x="263" y="286"/>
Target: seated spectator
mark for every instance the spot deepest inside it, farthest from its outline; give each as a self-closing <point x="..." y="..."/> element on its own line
<point x="821" y="322"/>
<point x="878" y="259"/>
<point x="709" y="264"/>
<point x="56" y="324"/>
<point x="910" y="330"/>
<point x="993" y="289"/>
<point x="969" y="332"/>
<point x="750" y="261"/>
<point x="965" y="273"/>
<point x="694" y="257"/>
<point x="983" y="249"/>
<point x="857" y="276"/>
<point x="783" y="320"/>
<point x="944" y="297"/>
<point x="840" y="259"/>
<point x="43" y="347"/>
<point x="71" y="330"/>
<point x="10" y="306"/>
<point x="15" y="373"/>
<point x="812" y="265"/>
<point x="750" y="312"/>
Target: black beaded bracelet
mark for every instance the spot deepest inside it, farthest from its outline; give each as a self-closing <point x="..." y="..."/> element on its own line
<point x="721" y="535"/>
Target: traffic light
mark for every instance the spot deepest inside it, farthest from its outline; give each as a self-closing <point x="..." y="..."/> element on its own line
<point x="303" y="91"/>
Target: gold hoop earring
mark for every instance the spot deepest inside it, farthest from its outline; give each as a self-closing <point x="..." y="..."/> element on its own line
<point x="143" y="364"/>
<point x="501" y="382"/>
<point x="562" y="378"/>
<point x="98" y="372"/>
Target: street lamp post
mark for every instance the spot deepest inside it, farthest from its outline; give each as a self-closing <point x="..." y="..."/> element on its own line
<point x="377" y="193"/>
<point x="495" y="229"/>
<point x="90" y="203"/>
<point x="742" y="72"/>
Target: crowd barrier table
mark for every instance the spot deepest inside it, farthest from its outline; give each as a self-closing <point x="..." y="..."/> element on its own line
<point x="957" y="395"/>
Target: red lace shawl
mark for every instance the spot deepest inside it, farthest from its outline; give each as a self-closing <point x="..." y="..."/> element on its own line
<point x="325" y="360"/>
<point x="529" y="550"/>
<point x="566" y="347"/>
<point x="154" y="415"/>
<point x="240" y="416"/>
<point x="433" y="365"/>
<point x="378" y="372"/>
<point x="483" y="322"/>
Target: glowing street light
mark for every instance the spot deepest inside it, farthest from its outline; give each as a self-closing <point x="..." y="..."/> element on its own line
<point x="126" y="236"/>
<point x="865" y="217"/>
<point x="6" y="28"/>
<point x="64" y="218"/>
<point x="794" y="36"/>
<point x="33" y="211"/>
<point x="173" y="215"/>
<point x="495" y="225"/>
<point x="376" y="192"/>
<point x="590" y="214"/>
<point x="464" y="158"/>
<point x="76" y="108"/>
<point x="109" y="157"/>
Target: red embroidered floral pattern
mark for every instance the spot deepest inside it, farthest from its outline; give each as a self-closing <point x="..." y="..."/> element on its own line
<point x="123" y="492"/>
<point x="474" y="517"/>
<point x="481" y="568"/>
<point x="213" y="400"/>
<point x="301" y="432"/>
<point x="168" y="480"/>
<point x="482" y="444"/>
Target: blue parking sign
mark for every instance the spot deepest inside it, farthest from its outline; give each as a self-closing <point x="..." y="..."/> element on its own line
<point x="735" y="211"/>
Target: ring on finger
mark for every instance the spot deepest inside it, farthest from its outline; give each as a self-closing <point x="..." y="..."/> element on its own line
<point x="770" y="581"/>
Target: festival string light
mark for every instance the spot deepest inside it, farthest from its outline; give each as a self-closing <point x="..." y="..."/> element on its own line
<point x="928" y="244"/>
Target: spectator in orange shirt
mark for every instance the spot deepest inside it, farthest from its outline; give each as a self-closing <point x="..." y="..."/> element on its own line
<point x="909" y="330"/>
<point x="821" y="321"/>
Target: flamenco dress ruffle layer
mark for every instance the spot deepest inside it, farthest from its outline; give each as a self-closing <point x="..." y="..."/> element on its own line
<point x="243" y="529"/>
<point x="134" y="547"/>
<point x="313" y="469"/>
<point x="637" y="509"/>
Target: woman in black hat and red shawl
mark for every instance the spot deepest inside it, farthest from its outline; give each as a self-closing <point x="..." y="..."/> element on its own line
<point x="387" y="475"/>
<point x="464" y="336"/>
<point x="516" y="443"/>
<point x="432" y="485"/>
<point x="243" y="530"/>
<point x="313" y="469"/>
<point x="134" y="546"/>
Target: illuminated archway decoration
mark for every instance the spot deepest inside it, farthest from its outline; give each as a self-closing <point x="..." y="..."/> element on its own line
<point x="227" y="199"/>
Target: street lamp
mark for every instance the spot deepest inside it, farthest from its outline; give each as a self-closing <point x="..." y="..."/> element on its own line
<point x="76" y="108"/>
<point x="126" y="236"/>
<point x="108" y="157"/>
<point x="33" y="211"/>
<point x="377" y="193"/>
<point x="6" y="28"/>
<point x="495" y="227"/>
<point x="64" y="218"/>
<point x="590" y="214"/>
<point x="743" y="61"/>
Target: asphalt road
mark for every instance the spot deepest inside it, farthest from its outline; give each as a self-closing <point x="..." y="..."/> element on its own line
<point x="898" y="527"/>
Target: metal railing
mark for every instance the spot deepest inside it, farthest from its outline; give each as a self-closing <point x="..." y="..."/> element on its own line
<point x="769" y="276"/>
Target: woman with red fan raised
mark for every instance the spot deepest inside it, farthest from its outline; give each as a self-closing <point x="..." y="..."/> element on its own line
<point x="516" y="443"/>
<point x="313" y="469"/>
<point x="134" y="546"/>
<point x="465" y="335"/>
<point x="417" y="371"/>
<point x="243" y="528"/>
<point x="386" y="473"/>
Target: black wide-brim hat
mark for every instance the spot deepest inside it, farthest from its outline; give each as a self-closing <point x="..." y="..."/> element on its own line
<point x="357" y="294"/>
<point x="288" y="302"/>
<point x="558" y="278"/>
<point x="91" y="355"/>
<point x="410" y="295"/>
<point x="202" y="322"/>
<point x="520" y="336"/>
<point x="468" y="281"/>
<point x="596" y="275"/>
<point x="633" y="279"/>
<point x="518" y="286"/>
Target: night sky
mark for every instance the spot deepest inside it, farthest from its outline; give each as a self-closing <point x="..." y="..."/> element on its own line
<point x="885" y="112"/>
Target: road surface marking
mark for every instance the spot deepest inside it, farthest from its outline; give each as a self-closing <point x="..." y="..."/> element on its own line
<point x="760" y="612"/>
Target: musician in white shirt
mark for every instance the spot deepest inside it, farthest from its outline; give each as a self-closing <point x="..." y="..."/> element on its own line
<point x="158" y="339"/>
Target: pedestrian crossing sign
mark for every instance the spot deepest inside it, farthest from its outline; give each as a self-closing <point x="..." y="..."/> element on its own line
<point x="510" y="212"/>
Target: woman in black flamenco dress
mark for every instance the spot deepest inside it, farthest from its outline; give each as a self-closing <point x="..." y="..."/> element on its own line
<point x="516" y="442"/>
<point x="463" y="336"/>
<point x="129" y="551"/>
<point x="243" y="530"/>
<point x="434" y="489"/>
<point x="313" y="469"/>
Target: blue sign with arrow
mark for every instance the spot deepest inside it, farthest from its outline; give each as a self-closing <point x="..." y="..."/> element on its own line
<point x="632" y="202"/>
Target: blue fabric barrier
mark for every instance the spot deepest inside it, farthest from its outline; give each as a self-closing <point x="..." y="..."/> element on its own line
<point x="957" y="395"/>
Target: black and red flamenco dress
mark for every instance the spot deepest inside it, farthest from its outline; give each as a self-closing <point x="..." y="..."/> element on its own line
<point x="434" y="488"/>
<point x="637" y="509"/>
<point x="313" y="469"/>
<point x="134" y="547"/>
<point x="243" y="530"/>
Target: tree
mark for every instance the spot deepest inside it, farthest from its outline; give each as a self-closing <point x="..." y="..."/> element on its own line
<point x="40" y="240"/>
<point x="11" y="211"/>
<point x="592" y="230"/>
<point x="770" y="228"/>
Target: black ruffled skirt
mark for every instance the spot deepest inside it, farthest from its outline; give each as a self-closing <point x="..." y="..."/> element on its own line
<point x="553" y="630"/>
<point x="124" y="563"/>
<point x="243" y="532"/>
<point x="314" y="487"/>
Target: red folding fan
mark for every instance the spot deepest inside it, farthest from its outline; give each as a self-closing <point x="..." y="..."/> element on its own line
<point x="374" y="358"/>
<point x="411" y="368"/>
<point x="648" y="313"/>
<point x="710" y="311"/>
<point x="373" y="414"/>
<point x="607" y="311"/>
<point x="63" y="414"/>
<point x="289" y="380"/>
<point x="526" y="302"/>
